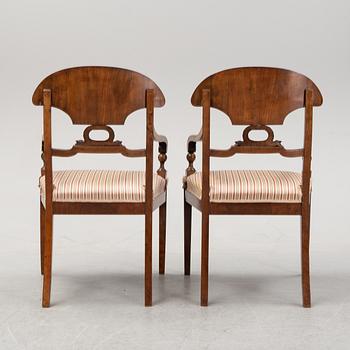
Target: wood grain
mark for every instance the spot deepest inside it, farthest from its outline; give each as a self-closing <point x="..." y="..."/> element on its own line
<point x="46" y="296"/>
<point x="257" y="95"/>
<point x="205" y="196"/>
<point x="98" y="95"/>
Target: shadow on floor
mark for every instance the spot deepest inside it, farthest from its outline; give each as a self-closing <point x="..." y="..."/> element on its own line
<point x="223" y="289"/>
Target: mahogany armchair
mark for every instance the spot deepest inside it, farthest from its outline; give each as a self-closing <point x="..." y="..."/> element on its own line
<point x="99" y="97"/>
<point x="255" y="97"/>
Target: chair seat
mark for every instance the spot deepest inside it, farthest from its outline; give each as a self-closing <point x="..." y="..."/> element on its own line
<point x="249" y="186"/>
<point x="101" y="186"/>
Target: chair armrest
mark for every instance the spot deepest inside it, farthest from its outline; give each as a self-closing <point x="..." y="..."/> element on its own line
<point x="192" y="141"/>
<point x="162" y="140"/>
<point x="191" y="149"/>
<point x="162" y="150"/>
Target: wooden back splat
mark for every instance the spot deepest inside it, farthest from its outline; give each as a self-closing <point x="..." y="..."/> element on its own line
<point x="98" y="96"/>
<point x="257" y="97"/>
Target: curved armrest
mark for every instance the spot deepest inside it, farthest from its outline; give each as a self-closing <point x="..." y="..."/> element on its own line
<point x="162" y="140"/>
<point x="191" y="149"/>
<point x="192" y="140"/>
<point x="162" y="149"/>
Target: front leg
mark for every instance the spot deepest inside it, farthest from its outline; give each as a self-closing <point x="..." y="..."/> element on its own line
<point x="191" y="157"/>
<point x="162" y="157"/>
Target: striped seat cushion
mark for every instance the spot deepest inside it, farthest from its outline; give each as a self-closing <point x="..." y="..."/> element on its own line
<point x="101" y="186"/>
<point x="249" y="186"/>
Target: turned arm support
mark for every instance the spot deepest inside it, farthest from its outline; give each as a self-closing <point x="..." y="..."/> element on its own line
<point x="42" y="170"/>
<point x="191" y="150"/>
<point x="162" y="150"/>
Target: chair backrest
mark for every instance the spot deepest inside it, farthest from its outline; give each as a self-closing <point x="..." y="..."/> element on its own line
<point x="257" y="95"/>
<point x="98" y="95"/>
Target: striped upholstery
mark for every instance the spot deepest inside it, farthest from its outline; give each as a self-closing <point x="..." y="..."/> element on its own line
<point x="249" y="186"/>
<point x="101" y="186"/>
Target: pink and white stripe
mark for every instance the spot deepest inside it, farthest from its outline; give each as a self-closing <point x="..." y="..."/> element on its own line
<point x="249" y="186"/>
<point x="101" y="186"/>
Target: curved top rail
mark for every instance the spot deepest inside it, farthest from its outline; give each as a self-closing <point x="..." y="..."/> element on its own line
<point x="98" y="95"/>
<point x="257" y="95"/>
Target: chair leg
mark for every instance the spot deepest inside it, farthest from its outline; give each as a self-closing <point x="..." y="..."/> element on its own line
<point x="187" y="236"/>
<point x="305" y="258"/>
<point x="162" y="238"/>
<point x="47" y="259"/>
<point x="205" y="259"/>
<point x="148" y="259"/>
<point x="42" y="236"/>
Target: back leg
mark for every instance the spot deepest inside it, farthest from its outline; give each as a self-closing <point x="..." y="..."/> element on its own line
<point x="205" y="259"/>
<point x="148" y="259"/>
<point x="305" y="257"/>
<point x="47" y="258"/>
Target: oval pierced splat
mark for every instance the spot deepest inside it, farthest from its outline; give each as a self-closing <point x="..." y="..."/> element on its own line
<point x="90" y="129"/>
<point x="258" y="135"/>
<point x="267" y="141"/>
<point x="247" y="145"/>
<point x="89" y="145"/>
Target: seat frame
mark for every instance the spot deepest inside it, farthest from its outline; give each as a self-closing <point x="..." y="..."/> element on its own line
<point x="268" y="95"/>
<point x="98" y="96"/>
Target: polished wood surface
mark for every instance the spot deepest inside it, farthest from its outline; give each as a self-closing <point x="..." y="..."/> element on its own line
<point x="48" y="200"/>
<point x="256" y="97"/>
<point x="98" y="96"/>
<point x="149" y="197"/>
<point x="306" y="203"/>
<point x="269" y="145"/>
<point x="205" y="195"/>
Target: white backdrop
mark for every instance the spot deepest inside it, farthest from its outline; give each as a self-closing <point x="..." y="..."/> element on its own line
<point x="177" y="44"/>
